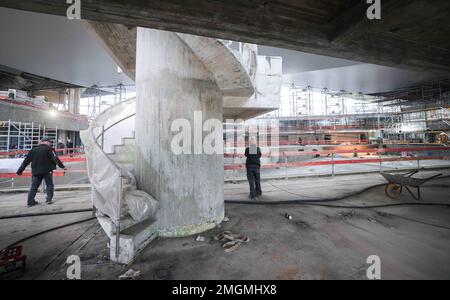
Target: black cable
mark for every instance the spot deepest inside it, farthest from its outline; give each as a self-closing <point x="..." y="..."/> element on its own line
<point x="312" y="203"/>
<point x="421" y="222"/>
<point x="46" y="213"/>
<point x="48" y="230"/>
<point x="67" y="247"/>
<point x="318" y="200"/>
<point x="78" y="250"/>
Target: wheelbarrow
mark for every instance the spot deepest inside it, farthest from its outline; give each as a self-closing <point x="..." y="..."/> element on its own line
<point x="398" y="181"/>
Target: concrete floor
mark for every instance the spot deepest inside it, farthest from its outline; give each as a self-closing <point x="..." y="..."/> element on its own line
<point x="413" y="242"/>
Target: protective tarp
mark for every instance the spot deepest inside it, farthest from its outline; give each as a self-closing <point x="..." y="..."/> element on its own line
<point x="104" y="174"/>
<point x="104" y="177"/>
<point x="139" y="204"/>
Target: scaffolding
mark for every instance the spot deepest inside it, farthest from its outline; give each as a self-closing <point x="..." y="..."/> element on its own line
<point x="418" y="114"/>
<point x="301" y="101"/>
<point x="98" y="98"/>
<point x="16" y="136"/>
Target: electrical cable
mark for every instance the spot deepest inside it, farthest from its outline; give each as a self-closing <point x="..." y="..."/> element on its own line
<point x="46" y="214"/>
<point x="48" y="230"/>
<point x="67" y="247"/>
<point x="76" y="251"/>
<point x="312" y="203"/>
<point x="316" y="199"/>
<point x="421" y="222"/>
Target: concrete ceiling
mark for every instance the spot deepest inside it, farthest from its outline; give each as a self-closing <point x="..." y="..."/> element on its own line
<point x="411" y="34"/>
<point x="364" y="78"/>
<point x="56" y="48"/>
<point x="296" y="61"/>
<point x="43" y="43"/>
<point x="305" y="69"/>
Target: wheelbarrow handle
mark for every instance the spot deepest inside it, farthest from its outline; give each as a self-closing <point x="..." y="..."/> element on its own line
<point x="435" y="176"/>
<point x="409" y="174"/>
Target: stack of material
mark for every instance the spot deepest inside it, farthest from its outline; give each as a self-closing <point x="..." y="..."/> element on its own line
<point x="41" y="101"/>
<point x="22" y="96"/>
<point x="232" y="241"/>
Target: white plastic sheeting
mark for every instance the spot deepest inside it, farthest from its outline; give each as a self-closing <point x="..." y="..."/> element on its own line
<point x="139" y="204"/>
<point x="104" y="176"/>
<point x="10" y="165"/>
<point x="110" y="195"/>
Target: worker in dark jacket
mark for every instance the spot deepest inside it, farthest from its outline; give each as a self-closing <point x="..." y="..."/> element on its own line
<point x="253" y="164"/>
<point x="43" y="161"/>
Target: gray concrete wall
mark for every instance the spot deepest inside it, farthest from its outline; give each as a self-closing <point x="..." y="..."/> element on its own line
<point x="172" y="83"/>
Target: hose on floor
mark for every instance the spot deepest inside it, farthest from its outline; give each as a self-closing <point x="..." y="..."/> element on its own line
<point x="315" y="203"/>
<point x="318" y="202"/>
<point x="321" y="200"/>
<point x="49" y="230"/>
<point x="46" y="214"/>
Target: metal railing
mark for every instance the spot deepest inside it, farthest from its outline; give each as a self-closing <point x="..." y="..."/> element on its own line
<point x="324" y="162"/>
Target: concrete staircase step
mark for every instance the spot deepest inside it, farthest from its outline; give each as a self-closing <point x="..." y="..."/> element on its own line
<point x="132" y="240"/>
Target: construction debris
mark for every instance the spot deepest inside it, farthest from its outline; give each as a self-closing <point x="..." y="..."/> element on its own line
<point x="232" y="241"/>
<point x="347" y="214"/>
<point x="130" y="275"/>
<point x="200" y="238"/>
<point x="288" y="216"/>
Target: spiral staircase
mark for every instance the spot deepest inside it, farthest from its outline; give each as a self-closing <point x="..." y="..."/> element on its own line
<point x="127" y="214"/>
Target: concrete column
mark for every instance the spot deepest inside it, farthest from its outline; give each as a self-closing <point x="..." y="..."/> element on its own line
<point x="74" y="100"/>
<point x="172" y="83"/>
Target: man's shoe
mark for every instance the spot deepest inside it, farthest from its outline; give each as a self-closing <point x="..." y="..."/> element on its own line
<point x="33" y="204"/>
<point x="49" y="202"/>
<point x="251" y="197"/>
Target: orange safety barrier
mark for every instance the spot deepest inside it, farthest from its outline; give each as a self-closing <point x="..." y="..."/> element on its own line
<point x="28" y="174"/>
<point x="335" y="162"/>
<point x="289" y="154"/>
<point x="304" y="143"/>
<point x="26" y="151"/>
<point x="331" y="152"/>
<point x="72" y="159"/>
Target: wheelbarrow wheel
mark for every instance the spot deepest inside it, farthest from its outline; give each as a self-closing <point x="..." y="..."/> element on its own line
<point x="393" y="190"/>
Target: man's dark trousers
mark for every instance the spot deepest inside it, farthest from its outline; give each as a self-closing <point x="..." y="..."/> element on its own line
<point x="36" y="181"/>
<point x="253" y="176"/>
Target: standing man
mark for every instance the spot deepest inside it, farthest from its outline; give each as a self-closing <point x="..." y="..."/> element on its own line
<point x="61" y="147"/>
<point x="69" y="147"/>
<point x="43" y="161"/>
<point x="253" y="164"/>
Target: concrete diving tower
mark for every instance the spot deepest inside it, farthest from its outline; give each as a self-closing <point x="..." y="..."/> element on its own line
<point x="186" y="77"/>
